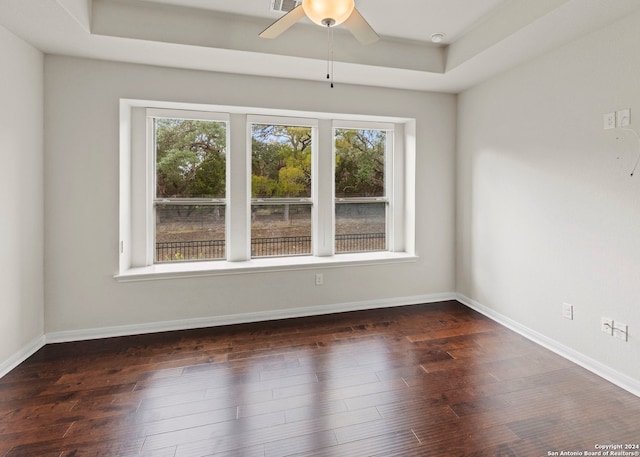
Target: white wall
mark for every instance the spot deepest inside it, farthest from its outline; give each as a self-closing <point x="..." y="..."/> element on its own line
<point x="546" y="210"/>
<point x="81" y="198"/>
<point x="21" y="188"/>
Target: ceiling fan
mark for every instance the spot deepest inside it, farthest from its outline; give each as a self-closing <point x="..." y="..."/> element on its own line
<point x="326" y="13"/>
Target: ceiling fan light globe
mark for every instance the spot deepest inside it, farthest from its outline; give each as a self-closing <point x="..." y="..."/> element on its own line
<point x="336" y="11"/>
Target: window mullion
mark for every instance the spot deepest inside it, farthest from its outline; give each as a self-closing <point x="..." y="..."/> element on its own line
<point x="238" y="189"/>
<point x="323" y="190"/>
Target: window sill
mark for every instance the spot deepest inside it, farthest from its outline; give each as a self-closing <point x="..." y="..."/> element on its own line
<point x="221" y="268"/>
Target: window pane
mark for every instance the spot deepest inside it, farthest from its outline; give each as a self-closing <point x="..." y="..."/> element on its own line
<point x="280" y="161"/>
<point x="190" y="158"/>
<point x="280" y="168"/>
<point x="361" y="227"/>
<point x="360" y="157"/>
<point x="280" y="230"/>
<point x="189" y="232"/>
<point x="190" y="163"/>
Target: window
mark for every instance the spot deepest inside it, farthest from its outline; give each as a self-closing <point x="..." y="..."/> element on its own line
<point x="218" y="189"/>
<point x="190" y="188"/>
<point x="280" y="190"/>
<point x="360" y="189"/>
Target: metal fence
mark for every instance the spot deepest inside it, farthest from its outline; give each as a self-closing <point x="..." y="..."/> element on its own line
<point x="361" y="242"/>
<point x="172" y="251"/>
<point x="283" y="245"/>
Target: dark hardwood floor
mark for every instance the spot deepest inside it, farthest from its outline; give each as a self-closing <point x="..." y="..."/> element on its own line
<point x="427" y="380"/>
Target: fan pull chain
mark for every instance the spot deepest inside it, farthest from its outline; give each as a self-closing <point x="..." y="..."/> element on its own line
<point x="330" y="53"/>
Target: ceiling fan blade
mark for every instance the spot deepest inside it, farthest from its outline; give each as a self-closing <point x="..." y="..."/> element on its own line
<point x="284" y="23"/>
<point x="360" y="28"/>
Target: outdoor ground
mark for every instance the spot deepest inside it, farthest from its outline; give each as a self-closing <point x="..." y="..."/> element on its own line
<point x="267" y="223"/>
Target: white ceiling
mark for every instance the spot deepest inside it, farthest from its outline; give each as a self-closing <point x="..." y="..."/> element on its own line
<point x="483" y="37"/>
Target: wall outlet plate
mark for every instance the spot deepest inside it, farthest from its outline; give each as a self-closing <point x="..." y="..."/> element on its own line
<point x="610" y="121"/>
<point x="606" y="325"/>
<point x="623" y="118"/>
<point x="567" y="311"/>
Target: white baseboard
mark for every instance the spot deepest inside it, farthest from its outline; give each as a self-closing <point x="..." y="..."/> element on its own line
<point x="617" y="378"/>
<point x="185" y="324"/>
<point x="16" y="359"/>
<point x="621" y="380"/>
<point x="214" y="321"/>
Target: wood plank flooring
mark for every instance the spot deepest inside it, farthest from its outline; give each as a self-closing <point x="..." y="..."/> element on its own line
<point x="426" y="380"/>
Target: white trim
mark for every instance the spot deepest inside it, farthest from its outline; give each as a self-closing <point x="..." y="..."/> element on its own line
<point x="152" y="199"/>
<point x="357" y="124"/>
<point x="260" y="265"/>
<point x="137" y="211"/>
<point x="323" y="165"/>
<point x="22" y="355"/>
<point x="125" y="191"/>
<point x="151" y="190"/>
<point x="619" y="379"/>
<point x="266" y="119"/>
<point x="238" y="190"/>
<point x="396" y="233"/>
<point x="408" y="172"/>
<point x="192" y="115"/>
<point x="259" y="111"/>
<point x="390" y="154"/>
<point x="214" y="321"/>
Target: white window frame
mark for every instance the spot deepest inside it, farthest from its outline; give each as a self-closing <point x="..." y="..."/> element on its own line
<point x="137" y="189"/>
<point x="389" y="178"/>
<point x="290" y="122"/>
<point x="152" y="114"/>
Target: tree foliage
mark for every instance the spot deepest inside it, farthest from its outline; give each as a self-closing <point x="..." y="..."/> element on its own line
<point x="190" y="158"/>
<point x="360" y="162"/>
<point x="191" y="162"/>
<point x="281" y="161"/>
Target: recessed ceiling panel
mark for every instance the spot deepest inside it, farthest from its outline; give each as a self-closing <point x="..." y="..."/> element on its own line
<point x="483" y="37"/>
<point x="408" y="19"/>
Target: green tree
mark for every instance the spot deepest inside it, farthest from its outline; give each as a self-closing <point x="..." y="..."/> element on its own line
<point x="190" y="158"/>
<point x="281" y="161"/>
<point x="263" y="187"/>
<point x="291" y="181"/>
<point x="359" y="162"/>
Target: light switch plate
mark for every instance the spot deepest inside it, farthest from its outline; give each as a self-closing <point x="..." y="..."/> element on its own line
<point x="623" y="118"/>
<point x="620" y="331"/>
